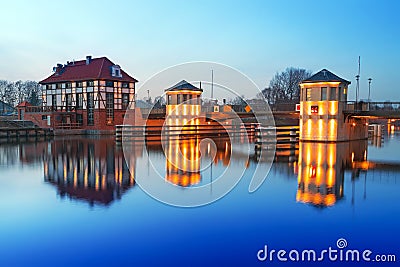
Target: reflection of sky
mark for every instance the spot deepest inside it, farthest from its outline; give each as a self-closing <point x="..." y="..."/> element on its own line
<point x="388" y="152"/>
<point x="36" y="226"/>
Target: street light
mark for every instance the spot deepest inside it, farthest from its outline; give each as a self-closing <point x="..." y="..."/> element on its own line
<point x="369" y="92"/>
<point x="369" y="89"/>
<point x="357" y="90"/>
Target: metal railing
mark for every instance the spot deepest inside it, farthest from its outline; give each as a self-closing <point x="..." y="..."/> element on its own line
<point x="372" y="106"/>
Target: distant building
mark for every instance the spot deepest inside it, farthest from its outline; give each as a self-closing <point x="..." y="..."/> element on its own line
<point x="91" y="94"/>
<point x="6" y="109"/>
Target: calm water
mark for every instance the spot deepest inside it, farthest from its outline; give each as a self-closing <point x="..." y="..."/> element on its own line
<point x="74" y="202"/>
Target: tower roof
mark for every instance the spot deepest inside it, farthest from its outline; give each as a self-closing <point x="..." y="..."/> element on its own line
<point x="325" y="76"/>
<point x="184" y="85"/>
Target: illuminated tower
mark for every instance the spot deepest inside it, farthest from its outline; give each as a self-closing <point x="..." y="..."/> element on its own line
<point x="183" y="103"/>
<point x="323" y="97"/>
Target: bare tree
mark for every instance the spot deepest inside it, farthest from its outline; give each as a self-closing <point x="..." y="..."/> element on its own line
<point x="284" y="86"/>
<point x="159" y="102"/>
<point x="14" y="93"/>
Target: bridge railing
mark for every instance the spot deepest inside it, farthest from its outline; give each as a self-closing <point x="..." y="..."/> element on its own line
<point x="372" y="106"/>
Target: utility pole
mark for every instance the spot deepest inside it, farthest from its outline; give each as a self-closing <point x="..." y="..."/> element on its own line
<point x="358" y="81"/>
<point x="212" y="84"/>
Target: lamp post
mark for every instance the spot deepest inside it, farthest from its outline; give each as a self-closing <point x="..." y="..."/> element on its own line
<point x="369" y="92"/>
<point x="369" y="89"/>
<point x="357" y="91"/>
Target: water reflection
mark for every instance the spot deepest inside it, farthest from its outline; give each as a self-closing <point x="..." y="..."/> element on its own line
<point x="188" y="160"/>
<point x="88" y="169"/>
<point x="321" y="168"/>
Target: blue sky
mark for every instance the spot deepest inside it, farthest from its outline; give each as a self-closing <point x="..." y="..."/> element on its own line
<point x="257" y="37"/>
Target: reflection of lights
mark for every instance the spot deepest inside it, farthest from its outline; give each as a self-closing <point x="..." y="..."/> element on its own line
<point x="312" y="172"/>
<point x="365" y="154"/>
<point x="309" y="127"/>
<point x="319" y="154"/>
<point x="330" y="177"/>
<point x="65" y="172"/>
<point x="352" y="157"/>
<point x="97" y="180"/>
<point x="354" y="124"/>
<point x="75" y="176"/>
<point x="85" y="178"/>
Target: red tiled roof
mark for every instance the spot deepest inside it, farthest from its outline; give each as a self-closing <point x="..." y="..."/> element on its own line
<point x="98" y="68"/>
<point x="24" y="104"/>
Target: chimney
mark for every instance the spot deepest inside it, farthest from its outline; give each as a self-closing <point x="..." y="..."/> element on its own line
<point x="88" y="59"/>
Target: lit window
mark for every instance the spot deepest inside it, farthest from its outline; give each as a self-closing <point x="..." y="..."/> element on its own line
<point x="308" y="94"/>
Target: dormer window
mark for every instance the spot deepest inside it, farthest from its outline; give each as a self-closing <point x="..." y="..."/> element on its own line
<point x="116" y="71"/>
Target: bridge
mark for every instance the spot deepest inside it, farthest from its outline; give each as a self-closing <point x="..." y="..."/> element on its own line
<point x="373" y="110"/>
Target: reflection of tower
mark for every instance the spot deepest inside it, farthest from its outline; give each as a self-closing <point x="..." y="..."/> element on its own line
<point x="186" y="158"/>
<point x="89" y="169"/>
<point x="321" y="170"/>
<point x="320" y="176"/>
<point x="183" y="162"/>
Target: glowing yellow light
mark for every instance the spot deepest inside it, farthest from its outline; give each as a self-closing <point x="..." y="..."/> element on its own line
<point x="320" y="127"/>
<point x="318" y="84"/>
<point x="333" y="107"/>
<point x="352" y="157"/>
